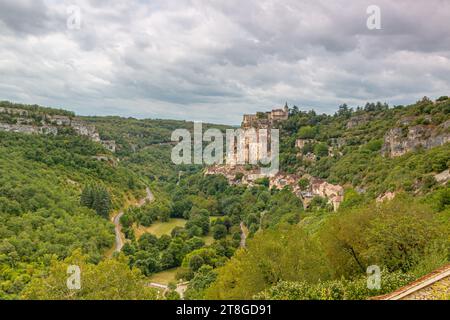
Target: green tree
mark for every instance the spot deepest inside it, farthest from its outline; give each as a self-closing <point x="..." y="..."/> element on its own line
<point x="321" y="149"/>
<point x="303" y="184"/>
<point x="109" y="280"/>
<point x="307" y="132"/>
<point x="219" y="231"/>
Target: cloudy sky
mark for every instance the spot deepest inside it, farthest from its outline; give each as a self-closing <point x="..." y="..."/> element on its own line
<point x="213" y="60"/>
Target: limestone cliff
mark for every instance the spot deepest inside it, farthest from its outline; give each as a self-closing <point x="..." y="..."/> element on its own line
<point x="29" y="122"/>
<point x="401" y="140"/>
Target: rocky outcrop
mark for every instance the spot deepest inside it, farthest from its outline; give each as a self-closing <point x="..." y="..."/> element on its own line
<point x="401" y="140"/>
<point x="443" y="177"/>
<point x="84" y="129"/>
<point x="24" y="121"/>
<point x="21" y="128"/>
<point x="109" y="145"/>
<point x="14" y="111"/>
<point x="301" y="143"/>
<point x="357" y="121"/>
<point x="388" y="196"/>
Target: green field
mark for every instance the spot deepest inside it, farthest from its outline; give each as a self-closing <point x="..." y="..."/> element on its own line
<point x="164" y="277"/>
<point x="160" y="228"/>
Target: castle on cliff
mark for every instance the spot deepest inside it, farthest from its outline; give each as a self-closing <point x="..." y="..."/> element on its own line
<point x="265" y="120"/>
<point x="254" y="145"/>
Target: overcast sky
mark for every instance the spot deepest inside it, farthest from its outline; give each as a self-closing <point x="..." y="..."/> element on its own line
<point x="211" y="60"/>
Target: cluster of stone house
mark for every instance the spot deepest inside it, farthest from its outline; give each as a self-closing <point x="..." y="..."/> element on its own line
<point x="50" y="124"/>
<point x="317" y="187"/>
<point x="250" y="145"/>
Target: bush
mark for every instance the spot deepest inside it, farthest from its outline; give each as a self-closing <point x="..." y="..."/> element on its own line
<point x="219" y="231"/>
<point x="335" y="289"/>
<point x="307" y="132"/>
<point x="263" y="182"/>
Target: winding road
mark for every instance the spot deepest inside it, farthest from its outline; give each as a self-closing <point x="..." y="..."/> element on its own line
<point x="116" y="219"/>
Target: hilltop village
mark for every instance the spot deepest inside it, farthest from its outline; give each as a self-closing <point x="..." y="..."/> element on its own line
<point x="409" y="133"/>
<point x="249" y="175"/>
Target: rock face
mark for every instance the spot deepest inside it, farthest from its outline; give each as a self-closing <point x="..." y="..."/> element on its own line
<point x="443" y="177"/>
<point x="109" y="144"/>
<point x="301" y="143"/>
<point x="84" y="129"/>
<point x="357" y="121"/>
<point x="50" y="124"/>
<point x="14" y="111"/>
<point x="399" y="141"/>
<point x="29" y="129"/>
<point x="388" y="196"/>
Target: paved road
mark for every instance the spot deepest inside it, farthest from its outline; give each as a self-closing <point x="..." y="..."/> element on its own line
<point x="116" y="220"/>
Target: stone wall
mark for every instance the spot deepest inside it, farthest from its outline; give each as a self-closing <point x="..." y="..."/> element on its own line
<point x="265" y="119"/>
<point x="438" y="290"/>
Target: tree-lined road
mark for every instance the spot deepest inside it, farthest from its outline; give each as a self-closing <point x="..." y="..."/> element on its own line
<point x="116" y="219"/>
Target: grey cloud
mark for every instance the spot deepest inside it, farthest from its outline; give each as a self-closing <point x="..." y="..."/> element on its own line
<point x="214" y="60"/>
<point x="24" y="17"/>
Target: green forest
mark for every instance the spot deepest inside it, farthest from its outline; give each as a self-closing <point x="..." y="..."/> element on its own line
<point x="58" y="202"/>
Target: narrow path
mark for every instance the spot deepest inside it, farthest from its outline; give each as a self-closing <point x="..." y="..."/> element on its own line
<point x="181" y="287"/>
<point x="116" y="220"/>
<point x="118" y="231"/>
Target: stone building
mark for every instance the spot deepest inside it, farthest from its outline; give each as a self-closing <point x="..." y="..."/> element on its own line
<point x="433" y="286"/>
<point x="334" y="193"/>
<point x="265" y="119"/>
<point x="253" y="145"/>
